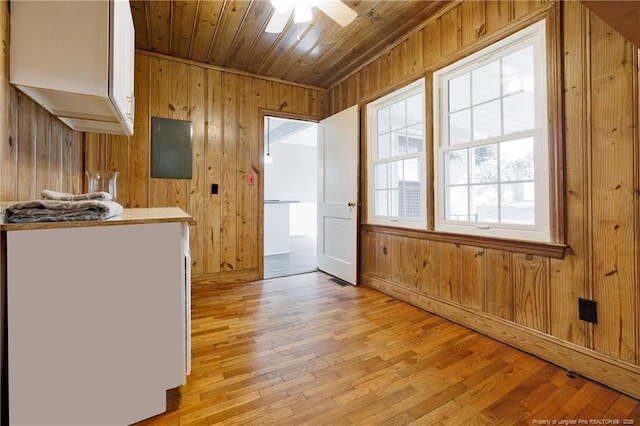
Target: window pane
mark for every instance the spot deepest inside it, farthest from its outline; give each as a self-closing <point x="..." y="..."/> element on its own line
<point x="456" y="203"/>
<point x="410" y="189"/>
<point x="415" y="138"/>
<point x="486" y="83"/>
<point x="484" y="164"/>
<point x="381" y="177"/>
<point x="486" y="121"/>
<point x="414" y="109"/>
<point x="456" y="167"/>
<point x="518" y="203"/>
<point x="384" y="122"/>
<point x="384" y="146"/>
<point x="460" y="127"/>
<point x="381" y="203"/>
<point x="484" y="203"/>
<point x="395" y="174"/>
<point x="398" y="115"/>
<point x="519" y="112"/>
<point x="412" y="170"/>
<point x="517" y="71"/>
<point x="393" y="203"/>
<point x="460" y="92"/>
<point x="399" y="142"/>
<point x="516" y="160"/>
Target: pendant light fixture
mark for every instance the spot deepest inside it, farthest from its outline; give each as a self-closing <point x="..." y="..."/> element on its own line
<point x="267" y="158"/>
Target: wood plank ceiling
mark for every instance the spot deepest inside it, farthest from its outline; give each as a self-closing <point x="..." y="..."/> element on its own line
<point x="230" y="34"/>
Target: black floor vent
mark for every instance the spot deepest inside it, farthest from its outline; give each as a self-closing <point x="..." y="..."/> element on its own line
<point x="339" y="281"/>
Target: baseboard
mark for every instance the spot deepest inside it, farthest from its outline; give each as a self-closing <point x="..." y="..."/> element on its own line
<point x="601" y="368"/>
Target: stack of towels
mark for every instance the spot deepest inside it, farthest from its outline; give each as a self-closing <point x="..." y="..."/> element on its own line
<point x="63" y="207"/>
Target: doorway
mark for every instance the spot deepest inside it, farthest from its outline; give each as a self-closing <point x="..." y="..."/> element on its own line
<point x="290" y="197"/>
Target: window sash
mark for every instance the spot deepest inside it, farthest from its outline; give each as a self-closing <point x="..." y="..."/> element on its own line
<point x="400" y="198"/>
<point x="466" y="221"/>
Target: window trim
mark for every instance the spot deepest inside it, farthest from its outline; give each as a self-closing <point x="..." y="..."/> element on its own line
<point x="372" y="107"/>
<point x="543" y="231"/>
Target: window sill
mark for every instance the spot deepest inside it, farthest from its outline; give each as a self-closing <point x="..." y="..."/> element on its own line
<point x="555" y="251"/>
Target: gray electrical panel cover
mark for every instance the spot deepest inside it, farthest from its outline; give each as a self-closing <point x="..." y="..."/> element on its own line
<point x="171" y="148"/>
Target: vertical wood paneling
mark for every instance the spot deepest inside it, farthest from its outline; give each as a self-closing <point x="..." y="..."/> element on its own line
<point x="431" y="267"/>
<point x="415" y="52"/>
<point x="178" y="105"/>
<point x="498" y="14"/>
<point x="474" y="24"/>
<point x="450" y="31"/>
<point x="37" y="150"/>
<point x="450" y="268"/>
<point x="27" y="147"/>
<point x="382" y="255"/>
<point x="613" y="192"/>
<point x="531" y="285"/>
<point x="229" y="178"/>
<point x="225" y="110"/>
<point x="498" y="284"/>
<point x="399" y="61"/>
<point x="139" y="145"/>
<point x="472" y="280"/>
<point x="213" y="171"/>
<point x="197" y="187"/>
<point x="398" y="251"/>
<point x="246" y="193"/>
<point x="413" y="271"/>
<point x="385" y="69"/>
<point x="159" y="189"/>
<point x="43" y="136"/>
<point x="569" y="275"/>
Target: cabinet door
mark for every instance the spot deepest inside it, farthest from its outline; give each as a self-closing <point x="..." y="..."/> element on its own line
<point x="122" y="60"/>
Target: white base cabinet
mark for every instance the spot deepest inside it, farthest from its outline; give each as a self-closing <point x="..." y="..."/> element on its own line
<point x="98" y="322"/>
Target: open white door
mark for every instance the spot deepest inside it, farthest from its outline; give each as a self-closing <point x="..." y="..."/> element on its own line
<point x="337" y="238"/>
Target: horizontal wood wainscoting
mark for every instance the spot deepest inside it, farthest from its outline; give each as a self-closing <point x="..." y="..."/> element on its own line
<point x="226" y="110"/>
<point x="526" y="299"/>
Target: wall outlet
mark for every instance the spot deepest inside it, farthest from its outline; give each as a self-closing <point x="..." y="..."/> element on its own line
<point x="251" y="179"/>
<point x="588" y="310"/>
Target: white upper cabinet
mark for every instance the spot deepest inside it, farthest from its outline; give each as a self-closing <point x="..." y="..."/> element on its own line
<point x="76" y="59"/>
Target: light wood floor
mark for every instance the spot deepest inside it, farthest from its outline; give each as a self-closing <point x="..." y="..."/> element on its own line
<point x="305" y="350"/>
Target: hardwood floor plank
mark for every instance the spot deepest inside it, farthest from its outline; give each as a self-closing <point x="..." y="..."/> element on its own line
<point x="304" y="350"/>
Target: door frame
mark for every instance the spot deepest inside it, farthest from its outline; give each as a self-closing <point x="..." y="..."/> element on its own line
<point x="263" y="113"/>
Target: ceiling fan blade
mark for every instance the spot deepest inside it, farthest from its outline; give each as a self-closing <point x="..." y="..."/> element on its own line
<point x="338" y="11"/>
<point x="278" y="21"/>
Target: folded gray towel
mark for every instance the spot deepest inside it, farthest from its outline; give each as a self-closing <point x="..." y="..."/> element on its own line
<point x="62" y="211"/>
<point x="64" y="196"/>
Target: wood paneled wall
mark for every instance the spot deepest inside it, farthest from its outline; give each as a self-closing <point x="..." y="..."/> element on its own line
<point x="526" y="300"/>
<point x="226" y="110"/>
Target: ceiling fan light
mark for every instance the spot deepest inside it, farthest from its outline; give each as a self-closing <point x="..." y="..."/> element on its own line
<point x="282" y="5"/>
<point x="302" y="12"/>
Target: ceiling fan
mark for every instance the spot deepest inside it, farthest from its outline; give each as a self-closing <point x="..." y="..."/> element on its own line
<point x="335" y="9"/>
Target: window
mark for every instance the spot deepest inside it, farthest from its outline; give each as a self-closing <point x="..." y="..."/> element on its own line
<point x="491" y="152"/>
<point x="397" y="167"/>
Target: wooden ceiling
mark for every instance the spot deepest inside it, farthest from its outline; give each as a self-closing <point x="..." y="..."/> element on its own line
<point x="230" y="34"/>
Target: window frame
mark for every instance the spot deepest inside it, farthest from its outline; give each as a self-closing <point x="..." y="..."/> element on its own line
<point x="542" y="231"/>
<point x="406" y="91"/>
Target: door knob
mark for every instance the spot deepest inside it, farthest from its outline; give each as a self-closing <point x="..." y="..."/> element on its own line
<point x="351" y="204"/>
